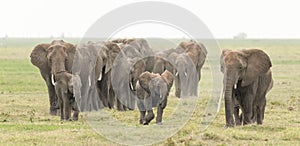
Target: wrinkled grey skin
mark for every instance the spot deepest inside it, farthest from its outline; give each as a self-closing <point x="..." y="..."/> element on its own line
<point x="67" y="87"/>
<point x="247" y="74"/>
<point x="51" y="58"/>
<point x="152" y="91"/>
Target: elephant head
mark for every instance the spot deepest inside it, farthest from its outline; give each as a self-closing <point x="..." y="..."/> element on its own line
<point x="54" y="57"/>
<point x="112" y="53"/>
<point x="185" y="74"/>
<point x="243" y="66"/>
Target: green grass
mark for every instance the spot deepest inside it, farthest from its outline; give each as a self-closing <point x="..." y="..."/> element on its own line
<point x="24" y="104"/>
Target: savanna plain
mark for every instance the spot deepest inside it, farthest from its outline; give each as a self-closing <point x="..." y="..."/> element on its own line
<point x="24" y="103"/>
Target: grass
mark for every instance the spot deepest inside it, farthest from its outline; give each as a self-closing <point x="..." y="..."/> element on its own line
<point x="24" y="104"/>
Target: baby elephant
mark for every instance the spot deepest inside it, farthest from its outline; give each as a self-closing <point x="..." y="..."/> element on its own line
<point x="67" y="87"/>
<point x="152" y="91"/>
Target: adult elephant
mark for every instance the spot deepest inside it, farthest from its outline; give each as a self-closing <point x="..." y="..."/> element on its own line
<point x="120" y="81"/>
<point x="197" y="52"/>
<point x="186" y="79"/>
<point x="104" y="76"/>
<point x="51" y="59"/>
<point x="246" y="72"/>
<point x="90" y="59"/>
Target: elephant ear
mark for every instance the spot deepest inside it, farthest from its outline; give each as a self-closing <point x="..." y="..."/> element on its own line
<point x="258" y="63"/>
<point x="168" y="77"/>
<point x="39" y="57"/>
<point x="113" y="52"/>
<point x="224" y="53"/>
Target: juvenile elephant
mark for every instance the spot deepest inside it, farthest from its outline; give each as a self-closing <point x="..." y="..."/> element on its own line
<point x="67" y="87"/>
<point x="152" y="91"/>
<point x="51" y="59"/>
<point x="248" y="77"/>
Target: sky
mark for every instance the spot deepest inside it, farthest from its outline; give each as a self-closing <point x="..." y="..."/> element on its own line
<point x="224" y="18"/>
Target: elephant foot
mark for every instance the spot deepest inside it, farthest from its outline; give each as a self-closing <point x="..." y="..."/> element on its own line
<point x="141" y="122"/>
<point x="158" y="123"/>
<point x="238" y="124"/>
<point x="149" y="117"/>
<point x="145" y="123"/>
<point x="54" y="111"/>
<point x="75" y="119"/>
<point x="228" y="126"/>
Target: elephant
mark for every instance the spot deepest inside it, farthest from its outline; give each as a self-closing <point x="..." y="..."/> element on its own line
<point x="89" y="61"/>
<point x="152" y="91"/>
<point x="126" y="58"/>
<point x="105" y="86"/>
<point x="52" y="58"/>
<point x="186" y="79"/>
<point x="197" y="52"/>
<point x="247" y="79"/>
<point x="96" y="61"/>
<point x="67" y="88"/>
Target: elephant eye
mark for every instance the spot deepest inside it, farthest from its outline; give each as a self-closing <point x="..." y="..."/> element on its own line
<point x="240" y="67"/>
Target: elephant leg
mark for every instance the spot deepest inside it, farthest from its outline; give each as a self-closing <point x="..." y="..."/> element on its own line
<point x="141" y="107"/>
<point x="61" y="106"/>
<point x="66" y="108"/>
<point x="194" y="86"/>
<point x="160" y="109"/>
<point x="76" y="111"/>
<point x="131" y="102"/>
<point x="120" y="106"/>
<point x="261" y="112"/>
<point x="237" y="116"/>
<point x="247" y="106"/>
<point x="149" y="117"/>
<point x="142" y="117"/>
<point x="159" y="114"/>
<point x="111" y="98"/>
<point x="52" y="97"/>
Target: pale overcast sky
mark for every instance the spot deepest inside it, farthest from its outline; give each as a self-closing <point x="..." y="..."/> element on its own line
<point x="224" y="18"/>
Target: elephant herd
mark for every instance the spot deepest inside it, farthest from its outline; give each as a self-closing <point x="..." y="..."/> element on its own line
<point x="125" y="73"/>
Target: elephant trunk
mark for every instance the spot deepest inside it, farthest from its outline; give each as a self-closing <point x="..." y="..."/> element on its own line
<point x="229" y="84"/>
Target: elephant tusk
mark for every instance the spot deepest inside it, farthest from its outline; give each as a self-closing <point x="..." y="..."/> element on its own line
<point x="100" y="77"/>
<point x="176" y="74"/>
<point x="185" y="74"/>
<point x="52" y="80"/>
<point x="235" y="86"/>
<point x="90" y="81"/>
<point x="131" y="86"/>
